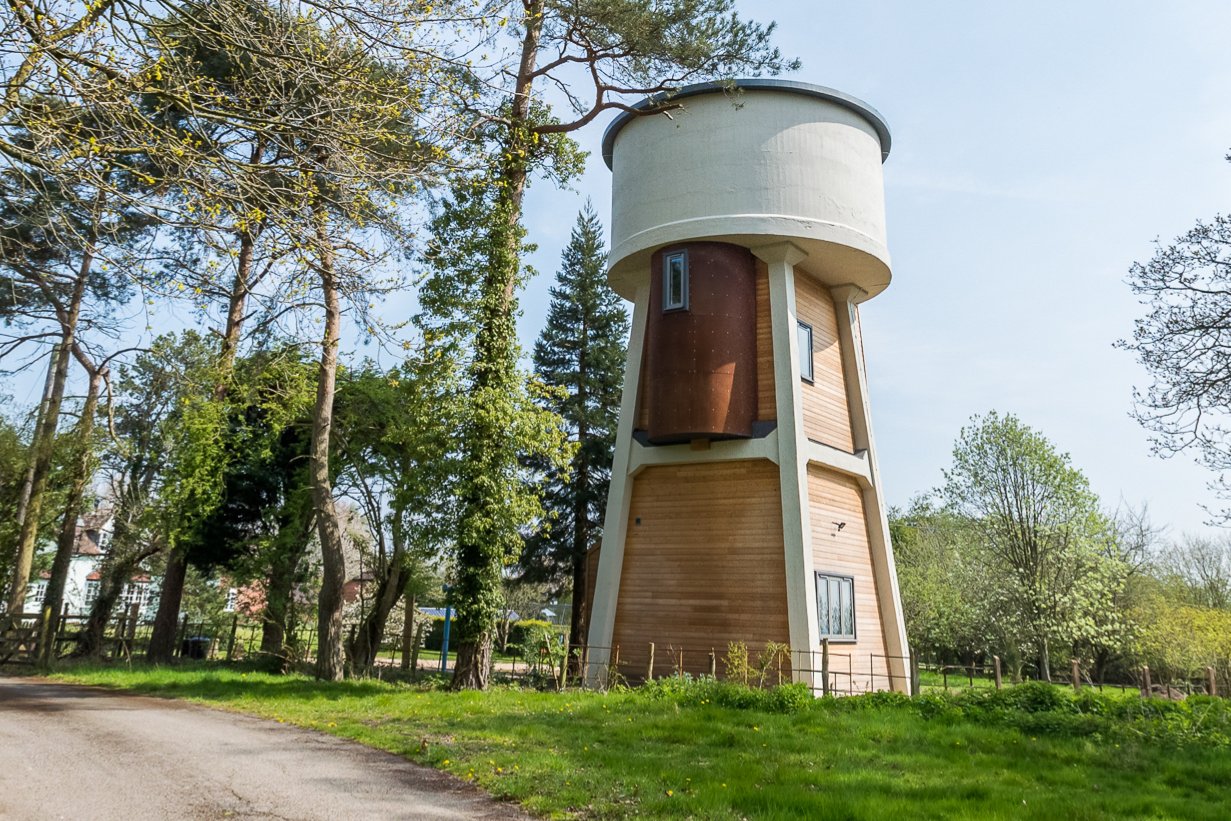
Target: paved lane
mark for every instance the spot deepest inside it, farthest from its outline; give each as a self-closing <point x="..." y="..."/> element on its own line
<point x="82" y="753"/>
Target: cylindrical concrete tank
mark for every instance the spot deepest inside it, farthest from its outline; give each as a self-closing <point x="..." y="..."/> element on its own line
<point x="700" y="360"/>
<point x="766" y="161"/>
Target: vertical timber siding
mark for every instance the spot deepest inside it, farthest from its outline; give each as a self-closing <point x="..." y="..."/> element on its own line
<point x="703" y="568"/>
<point x="767" y="408"/>
<point x="827" y="418"/>
<point x="832" y="498"/>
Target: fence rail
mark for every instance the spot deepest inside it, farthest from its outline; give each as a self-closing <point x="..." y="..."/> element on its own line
<point x="827" y="671"/>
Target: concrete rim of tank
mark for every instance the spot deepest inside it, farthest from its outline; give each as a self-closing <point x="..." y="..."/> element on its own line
<point x="831" y="95"/>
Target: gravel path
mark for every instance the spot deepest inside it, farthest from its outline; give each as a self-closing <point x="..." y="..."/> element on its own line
<point x="83" y="753"/>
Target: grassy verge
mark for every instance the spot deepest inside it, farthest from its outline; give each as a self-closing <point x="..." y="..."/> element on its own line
<point x="713" y="753"/>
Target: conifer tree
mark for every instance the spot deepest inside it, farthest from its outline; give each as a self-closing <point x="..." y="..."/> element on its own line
<point x="580" y="352"/>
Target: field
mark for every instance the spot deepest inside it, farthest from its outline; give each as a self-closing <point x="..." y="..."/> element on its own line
<point x="716" y="751"/>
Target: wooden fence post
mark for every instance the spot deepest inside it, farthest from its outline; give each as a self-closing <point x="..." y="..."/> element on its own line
<point x="680" y="660"/>
<point x="714" y="666"/>
<point x="996" y="671"/>
<point x="1145" y="681"/>
<point x="1075" y="668"/>
<point x="649" y="669"/>
<point x="825" y="666"/>
<point x="914" y="674"/>
<point x="231" y="640"/>
<point x="1211" y="683"/>
<point x="564" y="664"/>
<point x="179" y="648"/>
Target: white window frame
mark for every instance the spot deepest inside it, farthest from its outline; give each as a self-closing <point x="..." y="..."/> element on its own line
<point x="682" y="303"/>
<point x="92" y="587"/>
<point x="808" y="374"/>
<point x="844" y="585"/>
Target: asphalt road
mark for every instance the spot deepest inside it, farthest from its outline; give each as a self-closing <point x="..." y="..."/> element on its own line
<point x="83" y="753"/>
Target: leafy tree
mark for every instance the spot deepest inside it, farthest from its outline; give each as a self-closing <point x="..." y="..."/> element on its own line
<point x="152" y="417"/>
<point x="1203" y="564"/>
<point x="394" y="447"/>
<point x="1040" y="530"/>
<point x="1184" y="343"/>
<point x="946" y="600"/>
<point x="580" y="352"/>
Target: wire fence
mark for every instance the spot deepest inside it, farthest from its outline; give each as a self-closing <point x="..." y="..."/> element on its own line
<point x="553" y="663"/>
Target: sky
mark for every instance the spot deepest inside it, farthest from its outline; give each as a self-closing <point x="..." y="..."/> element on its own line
<point x="1038" y="150"/>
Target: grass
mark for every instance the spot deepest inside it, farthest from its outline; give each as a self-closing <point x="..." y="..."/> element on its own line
<point x="694" y="753"/>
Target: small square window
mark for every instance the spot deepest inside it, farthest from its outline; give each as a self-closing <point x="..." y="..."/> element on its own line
<point x="804" y="332"/>
<point x="675" y="281"/>
<point x="835" y="607"/>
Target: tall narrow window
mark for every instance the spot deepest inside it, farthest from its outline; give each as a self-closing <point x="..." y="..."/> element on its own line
<point x="675" y="281"/>
<point x="805" y="350"/>
<point x="835" y="607"/>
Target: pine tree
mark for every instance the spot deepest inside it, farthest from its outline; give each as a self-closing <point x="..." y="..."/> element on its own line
<point x="581" y="353"/>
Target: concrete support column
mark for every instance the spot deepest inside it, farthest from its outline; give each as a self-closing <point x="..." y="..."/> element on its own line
<point x="850" y="341"/>
<point x="781" y="259"/>
<point x="619" y="498"/>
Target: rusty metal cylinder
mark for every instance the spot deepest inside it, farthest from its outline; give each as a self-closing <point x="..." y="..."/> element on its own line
<point x="700" y="359"/>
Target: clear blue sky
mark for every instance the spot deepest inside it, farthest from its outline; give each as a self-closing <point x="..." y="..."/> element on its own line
<point x="1038" y="149"/>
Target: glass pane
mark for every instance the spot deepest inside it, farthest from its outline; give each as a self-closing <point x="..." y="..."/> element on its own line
<point x="835" y="606"/>
<point x="822" y="604"/>
<point x="805" y="351"/>
<point x="848" y="607"/>
<point x="675" y="281"/>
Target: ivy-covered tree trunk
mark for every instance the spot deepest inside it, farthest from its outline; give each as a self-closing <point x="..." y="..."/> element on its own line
<point x="330" y="661"/>
<point x="292" y="541"/>
<point x="171" y="593"/>
<point x="486" y="449"/>
<point x="82" y="470"/>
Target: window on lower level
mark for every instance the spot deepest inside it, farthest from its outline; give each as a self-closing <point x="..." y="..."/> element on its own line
<point x="675" y="281"/>
<point x="38" y="592"/>
<point x="805" y="350"/>
<point x="91" y="590"/>
<point x="835" y="606"/>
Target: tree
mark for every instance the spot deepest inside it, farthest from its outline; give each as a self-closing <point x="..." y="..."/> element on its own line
<point x="946" y="600"/>
<point x="1040" y="529"/>
<point x="1204" y="566"/>
<point x="580" y="352"/>
<point x="394" y="453"/>
<point x="1184" y="343"/>
<point x="602" y="56"/>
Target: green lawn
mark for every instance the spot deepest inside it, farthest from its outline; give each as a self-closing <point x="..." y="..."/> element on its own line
<point x="590" y="754"/>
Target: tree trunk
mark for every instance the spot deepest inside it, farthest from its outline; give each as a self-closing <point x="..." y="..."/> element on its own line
<point x="166" y="620"/>
<point x="495" y="364"/>
<point x="372" y="629"/>
<point x="82" y="471"/>
<point x="39" y="421"/>
<point x="171" y="596"/>
<point x="292" y="544"/>
<point x="329" y="654"/>
<point x="1045" y="661"/>
<point x="43" y="448"/>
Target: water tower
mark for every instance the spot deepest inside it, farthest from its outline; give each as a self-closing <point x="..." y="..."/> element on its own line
<point x="745" y="504"/>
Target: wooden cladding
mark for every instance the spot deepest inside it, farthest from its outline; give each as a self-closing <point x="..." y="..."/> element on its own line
<point x="703" y="565"/>
<point x="840" y="547"/>
<point x="700" y="379"/>
<point x="767" y="403"/>
<point x="827" y="417"/>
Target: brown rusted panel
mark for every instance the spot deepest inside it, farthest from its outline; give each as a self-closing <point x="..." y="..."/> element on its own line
<point x="701" y="362"/>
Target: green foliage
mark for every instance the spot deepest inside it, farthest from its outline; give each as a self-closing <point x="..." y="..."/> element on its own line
<point x="580" y="352"/>
<point x="1048" y="552"/>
